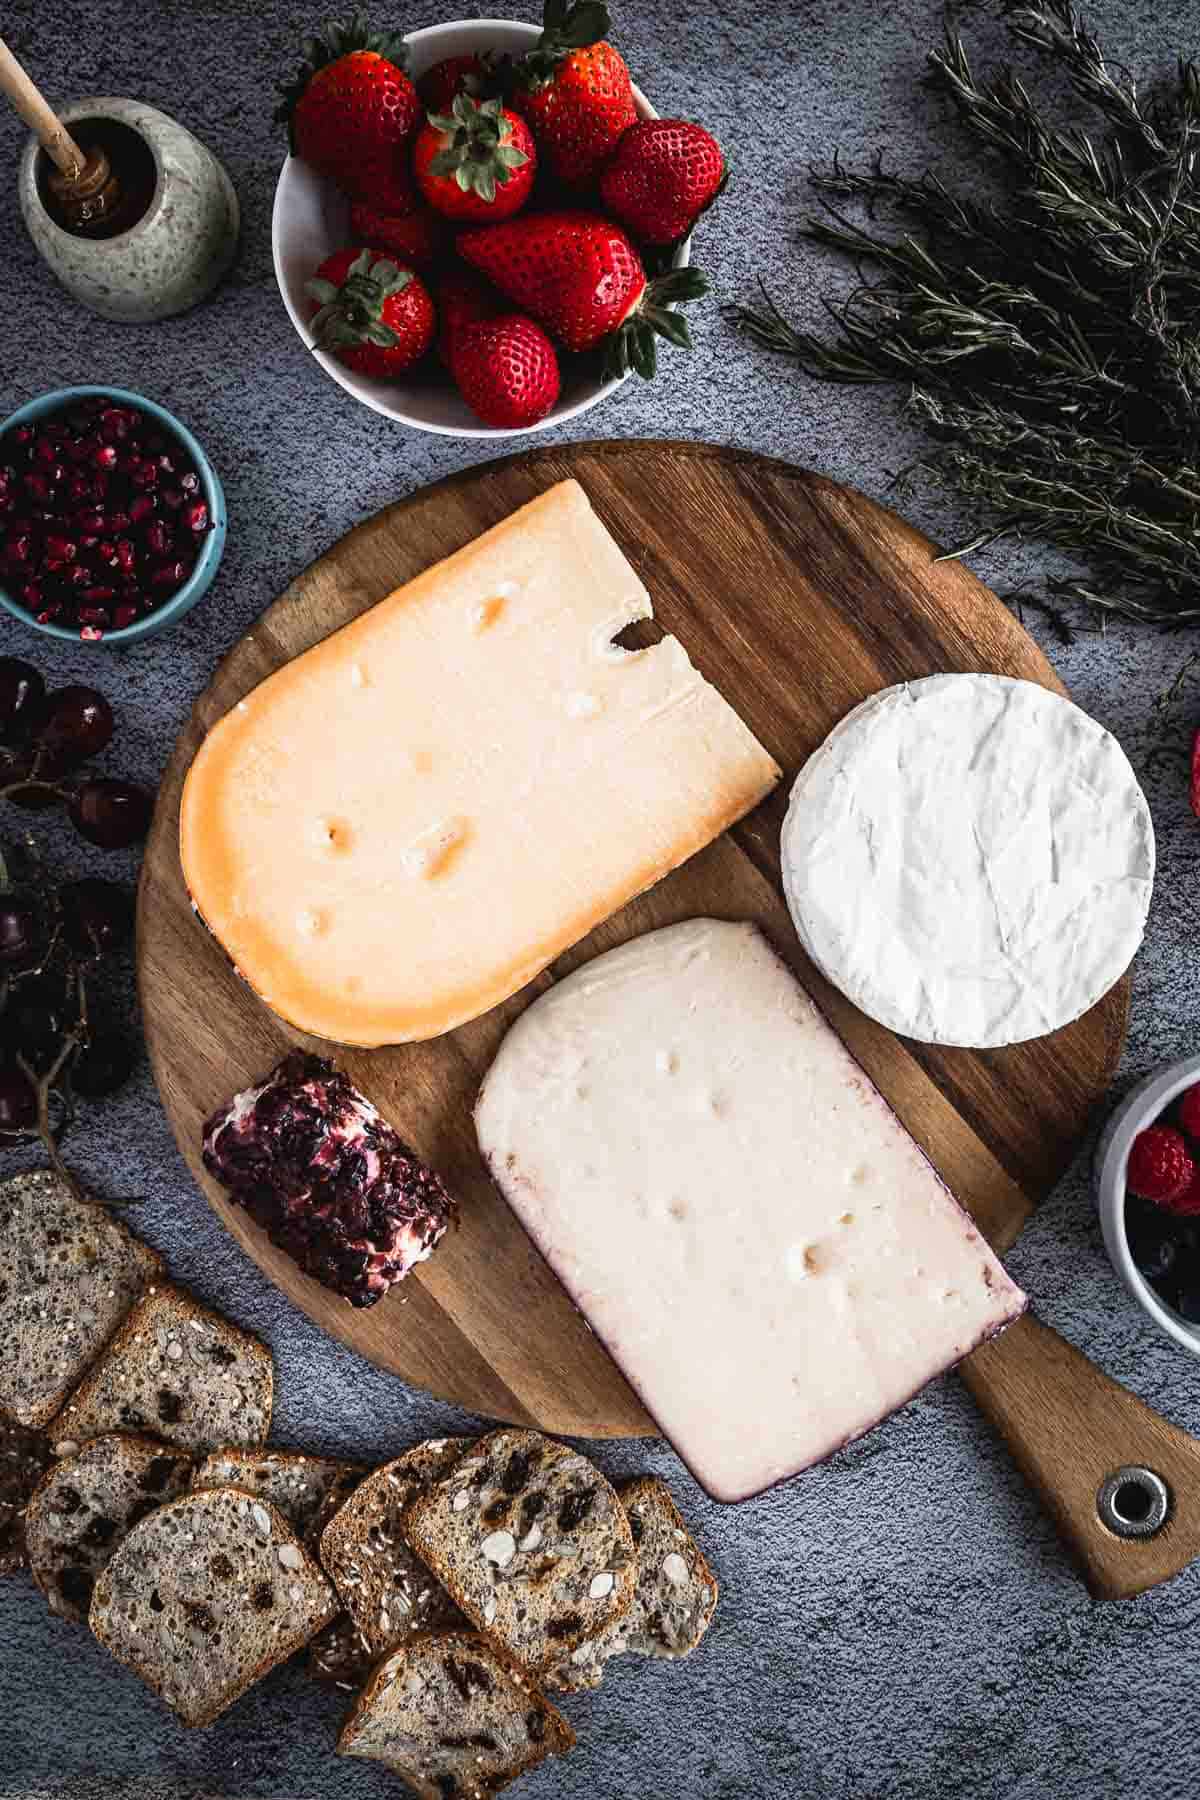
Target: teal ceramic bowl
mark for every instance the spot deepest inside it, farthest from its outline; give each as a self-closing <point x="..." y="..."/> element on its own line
<point x="207" y="563"/>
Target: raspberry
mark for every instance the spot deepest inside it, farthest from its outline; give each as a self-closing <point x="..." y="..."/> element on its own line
<point x="1189" y="1112"/>
<point x="1159" y="1166"/>
<point x="1186" y="1204"/>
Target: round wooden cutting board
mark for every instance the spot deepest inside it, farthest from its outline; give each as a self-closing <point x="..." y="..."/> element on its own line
<point x="797" y="598"/>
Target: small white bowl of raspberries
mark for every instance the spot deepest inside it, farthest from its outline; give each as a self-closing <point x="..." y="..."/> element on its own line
<point x="1147" y="1171"/>
<point x="483" y="227"/>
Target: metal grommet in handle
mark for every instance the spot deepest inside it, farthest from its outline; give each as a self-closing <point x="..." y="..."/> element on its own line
<point x="1134" y="1502"/>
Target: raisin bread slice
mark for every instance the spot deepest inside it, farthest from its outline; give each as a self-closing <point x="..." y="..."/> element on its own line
<point x="178" y="1371"/>
<point x="24" y="1454"/>
<point x="454" y="1717"/>
<point x="386" y="1590"/>
<point x="85" y="1507"/>
<point x="308" y="1490"/>
<point x="69" y="1273"/>
<point x="674" y="1598"/>
<point x="206" y="1596"/>
<point x="531" y="1541"/>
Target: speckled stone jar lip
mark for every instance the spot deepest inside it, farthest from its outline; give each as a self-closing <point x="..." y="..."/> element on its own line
<point x="1140" y="1108"/>
<point x="171" y="258"/>
<point x="209" y="559"/>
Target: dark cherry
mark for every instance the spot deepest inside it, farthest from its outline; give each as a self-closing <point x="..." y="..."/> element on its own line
<point x="18" y="932"/>
<point x="97" y="915"/>
<point x="18" y="1102"/>
<point x="111" y="814"/>
<point x="76" y="723"/>
<point x="102" y="1066"/>
<point x="21" y="693"/>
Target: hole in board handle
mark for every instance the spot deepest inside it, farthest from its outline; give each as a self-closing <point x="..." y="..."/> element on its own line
<point x="1134" y="1502"/>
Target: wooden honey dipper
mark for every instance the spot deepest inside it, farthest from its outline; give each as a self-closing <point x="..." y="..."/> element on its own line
<point x="83" y="187"/>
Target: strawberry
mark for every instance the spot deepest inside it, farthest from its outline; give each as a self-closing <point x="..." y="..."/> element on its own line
<point x="462" y="300"/>
<point x="452" y="76"/>
<point x="1194" y="786"/>
<point x="374" y="316"/>
<point x="663" y="176"/>
<point x="506" y="370"/>
<point x="582" y="278"/>
<point x="476" y="162"/>
<point x="1159" y="1167"/>
<point x="419" y="238"/>
<point x="352" y="111"/>
<point x="575" y="91"/>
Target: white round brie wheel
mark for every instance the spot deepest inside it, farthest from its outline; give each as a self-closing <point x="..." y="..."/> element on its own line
<point x="969" y="859"/>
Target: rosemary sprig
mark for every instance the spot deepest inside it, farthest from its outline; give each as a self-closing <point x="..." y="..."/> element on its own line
<point x="1049" y="342"/>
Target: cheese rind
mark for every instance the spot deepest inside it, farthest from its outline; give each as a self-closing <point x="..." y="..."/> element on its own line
<point x="403" y="826"/>
<point x="969" y="859"/>
<point x="767" y="1254"/>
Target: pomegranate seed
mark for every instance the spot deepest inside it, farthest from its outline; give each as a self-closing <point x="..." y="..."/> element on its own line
<point x="93" y="615"/>
<point x="49" y="612"/>
<point x="60" y="549"/>
<point x="166" y="464"/>
<point x="81" y="487"/>
<point x="75" y="450"/>
<point x="31" y="595"/>
<point x="115" y="424"/>
<point x="18" y="547"/>
<point x="91" y="634"/>
<point x="106" y="552"/>
<point x="125" y="556"/>
<point x="76" y="575"/>
<point x="171" y="497"/>
<point x="169" y="575"/>
<point x="37" y="486"/>
<point x="99" y="596"/>
<point x="6" y="477"/>
<point x="158" y="538"/>
<point x="190" y="483"/>
<point x="196" y="516"/>
<point x="144" y="474"/>
<point x="141" y="506"/>
<point x="24" y="434"/>
<point x="124" y="615"/>
<point x="88" y="543"/>
<point x="118" y="522"/>
<point x="46" y="449"/>
<point x="89" y="521"/>
<point x="104" y="457"/>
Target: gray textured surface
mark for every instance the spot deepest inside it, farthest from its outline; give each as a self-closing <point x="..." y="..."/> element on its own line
<point x="902" y="1621"/>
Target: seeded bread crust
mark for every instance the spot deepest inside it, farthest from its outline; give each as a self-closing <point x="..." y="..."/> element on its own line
<point x="308" y="1490"/>
<point x="454" y="1717"/>
<point x="85" y="1507"/>
<point x="24" y="1455"/>
<point x="531" y="1541"/>
<point x="69" y="1273"/>
<point x="178" y="1371"/>
<point x="206" y="1596"/>
<point x="385" y="1589"/>
<point x="675" y="1594"/>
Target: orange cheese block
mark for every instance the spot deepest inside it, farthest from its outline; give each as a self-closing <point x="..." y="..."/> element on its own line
<point x="403" y="826"/>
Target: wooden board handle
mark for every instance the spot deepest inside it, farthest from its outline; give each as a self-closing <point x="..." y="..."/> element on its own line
<point x="53" y="135"/>
<point x="1071" y="1430"/>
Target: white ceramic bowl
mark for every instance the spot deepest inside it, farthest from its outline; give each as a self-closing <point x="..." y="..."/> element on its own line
<point x="311" y="220"/>
<point x="1140" y="1108"/>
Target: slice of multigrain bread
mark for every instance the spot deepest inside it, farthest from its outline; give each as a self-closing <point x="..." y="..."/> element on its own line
<point x="674" y="1598"/>
<point x="69" y="1273"/>
<point x="24" y="1453"/>
<point x="206" y="1596"/>
<point x="531" y="1541"/>
<point x="387" y="1591"/>
<point x="454" y="1717"/>
<point x="178" y="1371"/>
<point x="308" y="1490"/>
<point x="86" y="1506"/>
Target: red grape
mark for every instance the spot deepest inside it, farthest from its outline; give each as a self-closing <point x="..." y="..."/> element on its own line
<point x="111" y="814"/>
<point x="18" y="931"/>
<point x="76" y="723"/>
<point x="97" y="915"/>
<point x="102" y="1065"/>
<point x="18" y="1102"/>
<point x="21" y="691"/>
<point x="31" y="1022"/>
